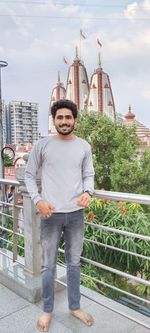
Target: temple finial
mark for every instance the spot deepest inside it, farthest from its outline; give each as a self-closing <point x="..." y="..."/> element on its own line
<point x="58" y="76"/>
<point x="99" y="60"/>
<point x="76" y="52"/>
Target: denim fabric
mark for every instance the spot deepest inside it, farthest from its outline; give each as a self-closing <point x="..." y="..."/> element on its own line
<point x="72" y="226"/>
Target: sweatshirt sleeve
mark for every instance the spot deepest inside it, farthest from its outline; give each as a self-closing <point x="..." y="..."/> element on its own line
<point x="88" y="171"/>
<point x="32" y="168"/>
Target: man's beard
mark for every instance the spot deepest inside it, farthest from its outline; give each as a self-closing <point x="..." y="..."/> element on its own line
<point x="70" y="130"/>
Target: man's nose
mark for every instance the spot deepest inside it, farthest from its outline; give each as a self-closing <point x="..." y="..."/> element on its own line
<point x="64" y="120"/>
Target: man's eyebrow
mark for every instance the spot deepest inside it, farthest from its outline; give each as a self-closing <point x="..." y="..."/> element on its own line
<point x="65" y="116"/>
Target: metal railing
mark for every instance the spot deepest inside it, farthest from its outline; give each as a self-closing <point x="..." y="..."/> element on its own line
<point x="29" y="231"/>
<point x="126" y="197"/>
<point x="10" y="220"/>
<point x="31" y="239"/>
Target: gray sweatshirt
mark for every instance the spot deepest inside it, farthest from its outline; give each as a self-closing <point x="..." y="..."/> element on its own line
<point x="66" y="172"/>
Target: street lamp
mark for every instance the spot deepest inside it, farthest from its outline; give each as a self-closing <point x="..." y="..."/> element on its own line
<point x="4" y="219"/>
<point x="2" y="64"/>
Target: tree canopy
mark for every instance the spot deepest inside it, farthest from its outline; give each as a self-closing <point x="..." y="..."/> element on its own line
<point x="117" y="166"/>
<point x="7" y="161"/>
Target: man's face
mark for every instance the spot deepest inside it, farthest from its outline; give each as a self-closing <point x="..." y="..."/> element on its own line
<point x="64" y="121"/>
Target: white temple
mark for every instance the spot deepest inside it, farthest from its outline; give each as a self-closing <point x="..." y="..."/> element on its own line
<point x="96" y="97"/>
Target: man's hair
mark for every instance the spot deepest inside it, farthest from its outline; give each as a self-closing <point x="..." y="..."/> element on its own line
<point x="64" y="103"/>
<point x="12" y="188"/>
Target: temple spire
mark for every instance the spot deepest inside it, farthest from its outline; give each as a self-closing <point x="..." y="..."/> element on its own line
<point x="58" y="77"/>
<point x="130" y="116"/>
<point x="99" y="60"/>
<point x="76" y="53"/>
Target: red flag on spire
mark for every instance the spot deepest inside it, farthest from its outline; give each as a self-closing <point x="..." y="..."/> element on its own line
<point x="99" y="43"/>
<point x="82" y="34"/>
<point x="65" y="60"/>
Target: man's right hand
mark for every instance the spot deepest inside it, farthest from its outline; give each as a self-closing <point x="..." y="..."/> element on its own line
<point x="45" y="208"/>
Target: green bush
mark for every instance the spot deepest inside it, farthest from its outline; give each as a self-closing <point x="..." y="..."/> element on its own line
<point x="9" y="237"/>
<point x="124" y="216"/>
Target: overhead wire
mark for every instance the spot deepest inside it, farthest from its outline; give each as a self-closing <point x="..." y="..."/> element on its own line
<point x="75" y="17"/>
<point x="71" y="17"/>
<point x="69" y="4"/>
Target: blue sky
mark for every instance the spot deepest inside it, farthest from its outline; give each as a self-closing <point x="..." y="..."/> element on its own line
<point x="35" y="35"/>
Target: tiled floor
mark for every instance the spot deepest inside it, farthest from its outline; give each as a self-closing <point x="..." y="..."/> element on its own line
<point x="18" y="315"/>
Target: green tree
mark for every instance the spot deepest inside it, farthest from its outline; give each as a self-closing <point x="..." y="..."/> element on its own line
<point x="112" y="146"/>
<point x="144" y="186"/>
<point x="7" y="161"/>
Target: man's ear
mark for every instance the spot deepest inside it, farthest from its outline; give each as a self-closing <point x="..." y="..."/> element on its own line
<point x="75" y="122"/>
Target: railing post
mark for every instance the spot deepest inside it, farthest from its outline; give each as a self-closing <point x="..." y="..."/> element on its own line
<point x="31" y="236"/>
<point x="15" y="226"/>
<point x="31" y="230"/>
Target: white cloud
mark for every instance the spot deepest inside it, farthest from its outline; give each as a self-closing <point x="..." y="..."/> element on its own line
<point x="137" y="10"/>
<point x="146" y="5"/>
<point x="34" y="48"/>
<point x="70" y="10"/>
<point x="146" y="93"/>
<point x="131" y="11"/>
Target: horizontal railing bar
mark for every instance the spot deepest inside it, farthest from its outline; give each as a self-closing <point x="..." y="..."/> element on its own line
<point x="111" y="286"/>
<point x="11" y="231"/>
<point x="6" y="229"/>
<point x="116" y="289"/>
<point x="116" y="271"/>
<point x="4" y="203"/>
<point x="116" y="310"/>
<point x="118" y="231"/>
<point x="113" y="270"/>
<point x="19" y="219"/>
<point x="20" y="263"/>
<point x="6" y="255"/>
<point x="120" y="196"/>
<point x="135" y="320"/>
<point x="5" y="214"/>
<point x="16" y="261"/>
<point x="18" y="234"/>
<point x="117" y="249"/>
<point x="7" y="241"/>
<point x="20" y="247"/>
<point x="5" y="181"/>
<point x="19" y="207"/>
<point x="11" y="216"/>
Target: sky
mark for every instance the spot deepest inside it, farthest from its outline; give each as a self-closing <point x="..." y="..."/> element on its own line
<point x="35" y="36"/>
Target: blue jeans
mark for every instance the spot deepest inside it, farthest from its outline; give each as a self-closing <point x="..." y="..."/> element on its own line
<point x="72" y="226"/>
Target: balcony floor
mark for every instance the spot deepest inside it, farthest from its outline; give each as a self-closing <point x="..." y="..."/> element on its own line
<point x="18" y="315"/>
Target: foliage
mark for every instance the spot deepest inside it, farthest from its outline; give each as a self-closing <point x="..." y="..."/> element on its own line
<point x="115" y="154"/>
<point x="123" y="216"/>
<point x="144" y="186"/>
<point x="9" y="237"/>
<point x="7" y="161"/>
<point x="117" y="168"/>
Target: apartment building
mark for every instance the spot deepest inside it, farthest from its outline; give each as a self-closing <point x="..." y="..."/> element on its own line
<point x="22" y="122"/>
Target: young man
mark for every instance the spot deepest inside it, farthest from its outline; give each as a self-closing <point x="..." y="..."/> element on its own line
<point x="67" y="178"/>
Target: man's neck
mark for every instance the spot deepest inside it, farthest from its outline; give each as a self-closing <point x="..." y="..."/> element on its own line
<point x="68" y="137"/>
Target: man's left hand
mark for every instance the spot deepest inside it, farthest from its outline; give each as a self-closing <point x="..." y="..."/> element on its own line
<point x="84" y="200"/>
